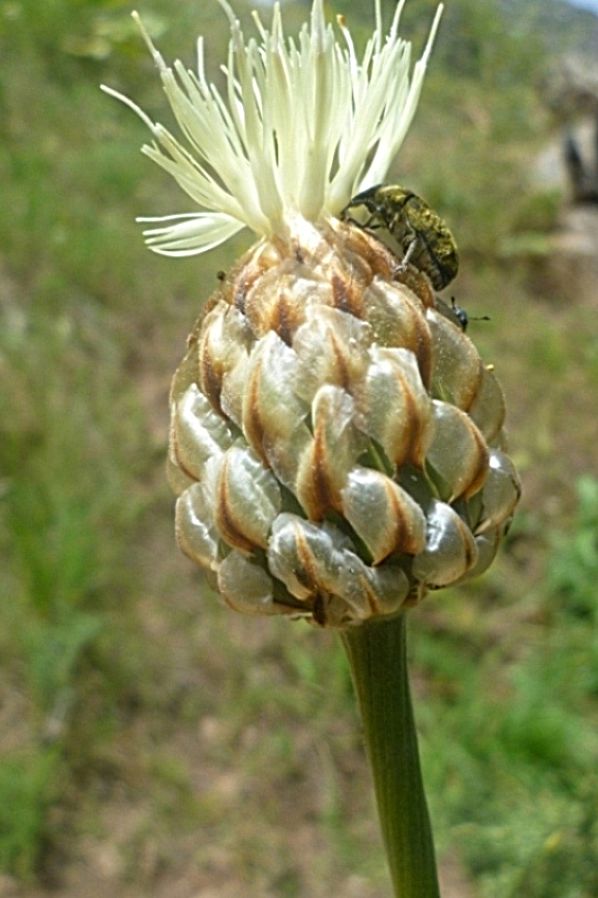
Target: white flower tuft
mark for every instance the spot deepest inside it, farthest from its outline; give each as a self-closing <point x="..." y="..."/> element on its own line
<point x="303" y="126"/>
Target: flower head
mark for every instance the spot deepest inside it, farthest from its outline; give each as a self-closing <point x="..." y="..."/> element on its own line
<point x="301" y="127"/>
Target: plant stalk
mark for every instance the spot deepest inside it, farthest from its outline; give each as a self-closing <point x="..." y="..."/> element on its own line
<point x="377" y="652"/>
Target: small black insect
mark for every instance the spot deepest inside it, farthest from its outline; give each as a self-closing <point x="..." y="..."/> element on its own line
<point x="424" y="237"/>
<point x="462" y="316"/>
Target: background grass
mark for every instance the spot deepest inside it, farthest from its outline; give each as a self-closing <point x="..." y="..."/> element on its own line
<point x="152" y="742"/>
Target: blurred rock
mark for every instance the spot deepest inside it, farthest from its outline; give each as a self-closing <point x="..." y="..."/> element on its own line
<point x="569" y="164"/>
<point x="582" y="169"/>
<point x="551" y="169"/>
<point x="572" y="262"/>
<point x="571" y="87"/>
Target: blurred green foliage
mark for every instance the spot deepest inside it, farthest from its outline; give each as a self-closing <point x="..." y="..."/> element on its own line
<point x="28" y="786"/>
<point x="106" y="652"/>
<point x="521" y="732"/>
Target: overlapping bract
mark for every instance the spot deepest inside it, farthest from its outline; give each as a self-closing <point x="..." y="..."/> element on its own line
<point x="336" y="443"/>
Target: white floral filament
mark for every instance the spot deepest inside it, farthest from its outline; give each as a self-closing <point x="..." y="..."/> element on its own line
<point x="303" y="126"/>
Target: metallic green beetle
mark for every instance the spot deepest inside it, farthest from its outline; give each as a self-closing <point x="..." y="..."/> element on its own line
<point x="423" y="236"/>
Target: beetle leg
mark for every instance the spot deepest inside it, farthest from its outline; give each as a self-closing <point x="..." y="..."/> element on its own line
<point x="410" y="250"/>
<point x="373" y="223"/>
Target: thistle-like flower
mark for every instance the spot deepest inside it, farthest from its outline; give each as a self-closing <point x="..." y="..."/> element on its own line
<point x="336" y="444"/>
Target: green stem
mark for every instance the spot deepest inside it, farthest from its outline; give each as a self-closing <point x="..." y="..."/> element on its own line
<point x="378" y="656"/>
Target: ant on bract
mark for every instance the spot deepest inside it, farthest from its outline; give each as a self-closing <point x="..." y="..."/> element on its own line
<point x="462" y="316"/>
